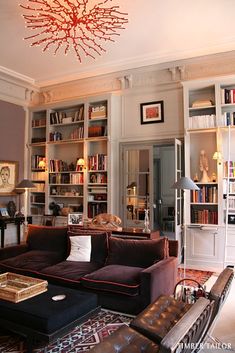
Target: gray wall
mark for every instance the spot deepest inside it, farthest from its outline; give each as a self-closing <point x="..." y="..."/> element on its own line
<point x="12" y="127"/>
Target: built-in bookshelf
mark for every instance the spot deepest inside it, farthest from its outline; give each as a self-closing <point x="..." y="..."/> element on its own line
<point x="74" y="142"/>
<point x="209" y="110"/>
<point x="37" y="165"/>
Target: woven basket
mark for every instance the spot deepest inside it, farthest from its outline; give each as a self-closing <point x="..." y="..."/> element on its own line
<point x="195" y="291"/>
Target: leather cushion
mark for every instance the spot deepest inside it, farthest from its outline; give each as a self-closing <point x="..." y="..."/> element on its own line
<point x="129" y="252"/>
<point x="159" y="317"/>
<point x="114" y="278"/>
<point x="125" y="340"/>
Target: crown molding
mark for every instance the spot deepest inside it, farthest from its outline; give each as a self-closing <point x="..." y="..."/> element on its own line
<point x="17" y="89"/>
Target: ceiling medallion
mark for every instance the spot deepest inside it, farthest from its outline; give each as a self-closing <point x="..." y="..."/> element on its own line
<point x="81" y="25"/>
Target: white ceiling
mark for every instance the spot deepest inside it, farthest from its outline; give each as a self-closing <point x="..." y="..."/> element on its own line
<point x="158" y="31"/>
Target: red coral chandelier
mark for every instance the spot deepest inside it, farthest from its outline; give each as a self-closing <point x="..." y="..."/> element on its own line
<point x="73" y="24"/>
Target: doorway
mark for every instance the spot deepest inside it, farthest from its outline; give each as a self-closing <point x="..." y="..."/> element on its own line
<point x="148" y="172"/>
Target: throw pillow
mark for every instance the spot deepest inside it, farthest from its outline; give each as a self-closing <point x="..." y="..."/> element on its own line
<point x="140" y="253"/>
<point x="80" y="249"/>
<point x="99" y="244"/>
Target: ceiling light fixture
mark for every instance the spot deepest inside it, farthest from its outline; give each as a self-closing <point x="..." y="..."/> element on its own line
<point x="76" y="24"/>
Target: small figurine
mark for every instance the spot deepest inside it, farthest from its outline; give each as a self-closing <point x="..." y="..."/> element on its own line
<point x="204" y="167"/>
<point x="213" y="177"/>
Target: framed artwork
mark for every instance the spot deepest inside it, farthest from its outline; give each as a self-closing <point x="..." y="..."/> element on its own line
<point x="152" y="112"/>
<point x="75" y="219"/>
<point x="8" y="177"/>
<point x="3" y="212"/>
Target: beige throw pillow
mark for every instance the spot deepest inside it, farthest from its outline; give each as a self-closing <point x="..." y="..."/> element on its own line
<point x="80" y="248"/>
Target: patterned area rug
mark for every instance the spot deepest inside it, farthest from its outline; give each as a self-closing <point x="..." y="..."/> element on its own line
<point x="196" y="275"/>
<point x="81" y="339"/>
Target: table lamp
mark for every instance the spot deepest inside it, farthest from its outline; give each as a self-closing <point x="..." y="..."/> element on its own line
<point x="25" y="185"/>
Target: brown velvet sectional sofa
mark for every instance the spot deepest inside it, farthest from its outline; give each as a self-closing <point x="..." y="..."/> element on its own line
<point x="126" y="274"/>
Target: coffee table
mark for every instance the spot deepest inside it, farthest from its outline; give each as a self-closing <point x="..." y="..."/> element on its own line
<point x="43" y="320"/>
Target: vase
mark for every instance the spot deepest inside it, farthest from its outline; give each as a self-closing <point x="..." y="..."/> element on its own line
<point x="11" y="208"/>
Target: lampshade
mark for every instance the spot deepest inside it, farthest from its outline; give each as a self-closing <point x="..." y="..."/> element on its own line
<point x="217" y="156"/>
<point x="185" y="183"/>
<point x="80" y="162"/>
<point x="25" y="184"/>
<point x="42" y="164"/>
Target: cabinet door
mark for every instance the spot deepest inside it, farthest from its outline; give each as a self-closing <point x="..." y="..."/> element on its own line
<point x="204" y="247"/>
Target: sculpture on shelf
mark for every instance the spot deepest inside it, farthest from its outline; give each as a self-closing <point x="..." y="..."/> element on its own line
<point x="146" y="221"/>
<point x="203" y="164"/>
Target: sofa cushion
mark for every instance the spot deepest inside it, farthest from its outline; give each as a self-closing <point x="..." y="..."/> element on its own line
<point x="142" y="253"/>
<point x="47" y="238"/>
<point x="99" y="244"/>
<point x="33" y="260"/>
<point x="114" y="278"/>
<point x="80" y="248"/>
<point x="69" y="271"/>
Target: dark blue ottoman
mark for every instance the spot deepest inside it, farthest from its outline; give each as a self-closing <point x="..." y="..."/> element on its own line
<point x="42" y="319"/>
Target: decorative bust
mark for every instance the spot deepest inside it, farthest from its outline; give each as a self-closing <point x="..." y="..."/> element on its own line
<point x="203" y="164"/>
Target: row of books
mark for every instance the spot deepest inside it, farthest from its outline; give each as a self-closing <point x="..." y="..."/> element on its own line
<point x="97" y="130"/>
<point x="231" y="202"/>
<point x="61" y="117"/>
<point x="228" y="118"/>
<point x="202" y="121"/>
<point x="227" y="96"/>
<point x="38" y="176"/>
<point x="229" y="169"/>
<point x="39" y="187"/>
<point x="230" y="186"/>
<point x="98" y="178"/>
<point x="37" y="198"/>
<point x="67" y="178"/>
<point x="207" y="193"/>
<point x="39" y="122"/>
<point x="36" y="159"/>
<point x="97" y="162"/>
<point x="57" y="165"/>
<point x="204" y="216"/>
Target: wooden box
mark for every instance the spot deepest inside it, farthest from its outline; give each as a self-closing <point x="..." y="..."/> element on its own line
<point x="16" y="288"/>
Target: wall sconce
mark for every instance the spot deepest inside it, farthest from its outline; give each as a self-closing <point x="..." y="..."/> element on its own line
<point x="218" y="157"/>
<point x="80" y="164"/>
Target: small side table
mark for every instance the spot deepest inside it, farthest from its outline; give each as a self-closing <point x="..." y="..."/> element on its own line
<point x="4" y="221"/>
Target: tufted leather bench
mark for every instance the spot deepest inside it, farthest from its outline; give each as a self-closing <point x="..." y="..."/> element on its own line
<point x="159" y="317"/>
<point x="188" y="329"/>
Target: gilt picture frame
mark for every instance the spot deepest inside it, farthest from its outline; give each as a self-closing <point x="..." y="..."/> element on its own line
<point x="152" y="112"/>
<point x="8" y="177"/>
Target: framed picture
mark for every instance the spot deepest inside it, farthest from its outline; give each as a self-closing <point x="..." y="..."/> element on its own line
<point x="152" y="112"/>
<point x="75" y="218"/>
<point x="8" y="177"/>
<point x="3" y="212"/>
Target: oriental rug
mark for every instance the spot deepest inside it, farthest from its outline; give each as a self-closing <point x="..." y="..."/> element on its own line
<point x="81" y="339"/>
<point x="196" y="275"/>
